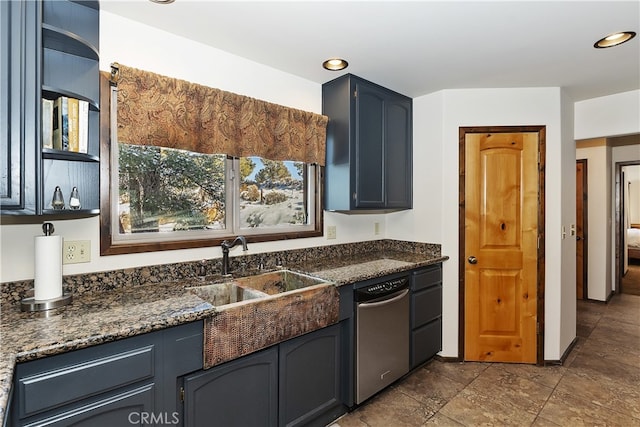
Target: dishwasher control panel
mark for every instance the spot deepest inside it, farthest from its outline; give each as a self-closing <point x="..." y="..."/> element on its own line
<point x="383" y="288"/>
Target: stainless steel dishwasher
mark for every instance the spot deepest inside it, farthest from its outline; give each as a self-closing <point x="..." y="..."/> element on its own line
<point x="382" y="335"/>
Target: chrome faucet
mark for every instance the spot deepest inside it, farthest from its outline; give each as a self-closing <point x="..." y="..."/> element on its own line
<point x="225" y="251"/>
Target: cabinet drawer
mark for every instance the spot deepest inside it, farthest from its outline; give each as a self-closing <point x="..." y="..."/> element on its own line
<point x="426" y="342"/>
<point x="427" y="277"/>
<point x="57" y="381"/>
<point x="122" y="409"/>
<point x="426" y="305"/>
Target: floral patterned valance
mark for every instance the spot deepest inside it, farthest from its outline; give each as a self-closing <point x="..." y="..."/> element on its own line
<point x="169" y="112"/>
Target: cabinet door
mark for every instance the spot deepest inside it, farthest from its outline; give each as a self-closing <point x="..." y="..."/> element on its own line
<point x="369" y="169"/>
<point x="310" y="378"/>
<point x="18" y="94"/>
<point x="240" y="393"/>
<point x="397" y="151"/>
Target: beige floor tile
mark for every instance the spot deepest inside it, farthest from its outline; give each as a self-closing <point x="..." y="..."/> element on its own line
<point x="389" y="408"/>
<point x="570" y="410"/>
<point x="432" y="389"/>
<point x="543" y="422"/>
<point x="474" y="409"/>
<point x="600" y="390"/>
<point x="623" y="312"/>
<point x="616" y="363"/>
<point x="463" y="372"/>
<point x="617" y="333"/>
<point x="442" y="420"/>
<point x="511" y="389"/>
<point x="548" y="376"/>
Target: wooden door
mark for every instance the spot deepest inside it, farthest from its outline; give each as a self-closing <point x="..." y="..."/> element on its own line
<point x="581" y="215"/>
<point x="500" y="246"/>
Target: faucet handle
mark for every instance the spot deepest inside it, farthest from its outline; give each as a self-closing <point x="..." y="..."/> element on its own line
<point x="202" y="268"/>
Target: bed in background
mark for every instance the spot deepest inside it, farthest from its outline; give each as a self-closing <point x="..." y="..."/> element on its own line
<point x="633" y="241"/>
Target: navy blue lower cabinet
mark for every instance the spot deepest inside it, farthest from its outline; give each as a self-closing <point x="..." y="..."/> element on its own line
<point x="294" y="383"/>
<point x="242" y="393"/>
<point x="127" y="382"/>
<point x="310" y="379"/>
<point x="426" y="314"/>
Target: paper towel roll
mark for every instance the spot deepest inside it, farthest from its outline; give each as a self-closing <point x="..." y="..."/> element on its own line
<point x="48" y="271"/>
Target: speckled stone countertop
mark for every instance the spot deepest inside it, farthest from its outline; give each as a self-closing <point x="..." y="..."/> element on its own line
<point x="359" y="267"/>
<point x="102" y="316"/>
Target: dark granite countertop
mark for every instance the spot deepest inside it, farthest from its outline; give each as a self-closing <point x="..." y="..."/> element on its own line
<point x="96" y="318"/>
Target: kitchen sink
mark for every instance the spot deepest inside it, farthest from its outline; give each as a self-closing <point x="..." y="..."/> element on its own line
<point x="254" y="287"/>
<point x="254" y="312"/>
<point x="219" y="294"/>
<point x="277" y="282"/>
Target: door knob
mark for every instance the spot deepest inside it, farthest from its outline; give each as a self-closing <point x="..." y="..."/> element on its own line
<point x="578" y="238"/>
<point x="472" y="260"/>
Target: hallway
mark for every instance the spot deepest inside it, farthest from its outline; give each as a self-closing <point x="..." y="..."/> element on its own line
<point x="631" y="280"/>
<point x="599" y="384"/>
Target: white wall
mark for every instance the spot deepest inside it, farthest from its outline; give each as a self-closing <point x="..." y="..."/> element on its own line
<point x="599" y="217"/>
<point x="567" y="304"/>
<point x="139" y="46"/>
<point x="437" y="119"/>
<point x="607" y="116"/>
<point x="423" y="222"/>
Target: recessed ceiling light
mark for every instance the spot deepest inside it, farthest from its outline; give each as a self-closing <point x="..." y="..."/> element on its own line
<point x="614" y="39"/>
<point x="162" y="1"/>
<point x="335" y="64"/>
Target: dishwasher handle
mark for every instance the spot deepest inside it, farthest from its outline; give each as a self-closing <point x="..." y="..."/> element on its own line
<point x="385" y="300"/>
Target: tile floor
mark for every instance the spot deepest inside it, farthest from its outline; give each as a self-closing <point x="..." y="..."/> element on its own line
<point x="599" y="383"/>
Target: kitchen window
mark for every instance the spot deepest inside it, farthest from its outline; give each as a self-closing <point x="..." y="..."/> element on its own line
<point x="165" y="198"/>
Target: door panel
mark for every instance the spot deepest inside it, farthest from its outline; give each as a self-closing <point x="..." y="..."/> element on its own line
<point x="501" y="233"/>
<point x="581" y="200"/>
<point x="370" y="171"/>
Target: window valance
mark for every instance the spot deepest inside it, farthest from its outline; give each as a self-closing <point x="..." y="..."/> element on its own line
<point x="169" y="112"/>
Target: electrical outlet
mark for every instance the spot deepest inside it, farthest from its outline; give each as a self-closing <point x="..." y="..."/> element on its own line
<point x="331" y="232"/>
<point x="376" y="228"/>
<point x="76" y="251"/>
<point x="564" y="232"/>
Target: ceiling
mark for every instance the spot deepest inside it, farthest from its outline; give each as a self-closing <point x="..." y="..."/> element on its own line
<point x="418" y="47"/>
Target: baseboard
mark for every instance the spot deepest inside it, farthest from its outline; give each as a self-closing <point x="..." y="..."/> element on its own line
<point x="565" y="355"/>
<point x="447" y="359"/>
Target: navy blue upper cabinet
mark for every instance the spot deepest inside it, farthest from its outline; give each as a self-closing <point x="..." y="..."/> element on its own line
<point x="49" y="50"/>
<point x="369" y="147"/>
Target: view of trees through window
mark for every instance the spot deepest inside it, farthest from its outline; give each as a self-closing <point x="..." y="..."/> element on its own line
<point x="168" y="190"/>
<point x="272" y="193"/>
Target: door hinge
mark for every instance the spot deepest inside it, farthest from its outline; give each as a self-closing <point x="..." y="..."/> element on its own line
<point x="355" y="196"/>
<point x="181" y="394"/>
<point x="355" y="93"/>
<point x="538" y="241"/>
<point x="537" y="328"/>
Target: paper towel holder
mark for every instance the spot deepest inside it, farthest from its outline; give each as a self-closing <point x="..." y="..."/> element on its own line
<point x="32" y="304"/>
